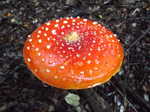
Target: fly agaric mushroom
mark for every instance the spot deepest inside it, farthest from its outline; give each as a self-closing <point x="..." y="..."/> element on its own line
<point x="73" y="53"/>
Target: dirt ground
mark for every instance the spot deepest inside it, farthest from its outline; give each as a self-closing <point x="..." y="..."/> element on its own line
<point x="129" y="91"/>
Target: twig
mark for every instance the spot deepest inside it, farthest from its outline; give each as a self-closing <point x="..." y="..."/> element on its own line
<point x="97" y="103"/>
<point x="142" y="36"/>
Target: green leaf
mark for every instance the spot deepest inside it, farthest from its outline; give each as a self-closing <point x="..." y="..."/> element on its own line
<point x="72" y="99"/>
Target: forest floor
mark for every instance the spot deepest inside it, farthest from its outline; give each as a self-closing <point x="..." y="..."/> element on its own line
<point x="129" y="91"/>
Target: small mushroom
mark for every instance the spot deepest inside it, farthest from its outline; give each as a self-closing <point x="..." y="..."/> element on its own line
<point x="73" y="53"/>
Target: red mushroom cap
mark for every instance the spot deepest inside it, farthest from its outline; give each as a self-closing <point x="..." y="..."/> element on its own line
<point x="73" y="53"/>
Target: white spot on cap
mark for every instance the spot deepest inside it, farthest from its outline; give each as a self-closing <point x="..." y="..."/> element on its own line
<point x="39" y="31"/>
<point x="28" y="59"/>
<point x="81" y="22"/>
<point x="48" y="46"/>
<point x="94" y="41"/>
<point x="82" y="72"/>
<point x="73" y="50"/>
<point x="95" y="22"/>
<point x="113" y="40"/>
<point x="30" y="40"/>
<point x="36" y="49"/>
<point x="55" y="77"/>
<point x="78" y="55"/>
<point x="29" y="36"/>
<point x="67" y="43"/>
<point x="115" y="35"/>
<point x="56" y="25"/>
<point x="78" y="23"/>
<point x="97" y="61"/>
<point x="73" y="23"/>
<point x="69" y="48"/>
<point x="95" y="68"/>
<point x="46" y="29"/>
<point x="90" y="71"/>
<point x="62" y="67"/>
<point x="38" y="36"/>
<point x="65" y="22"/>
<point x="119" y="55"/>
<point x="78" y="43"/>
<point x="110" y="36"/>
<point x="62" y="44"/>
<point x="61" y="56"/>
<point x="91" y="49"/>
<point x="57" y="43"/>
<point x="89" y="54"/>
<point x="85" y="20"/>
<point x="47" y="70"/>
<point x="84" y="58"/>
<point x="54" y="32"/>
<point x="99" y="49"/>
<point x="33" y="45"/>
<point x="79" y="47"/>
<point x="77" y="26"/>
<point x="89" y="62"/>
<point x="67" y="18"/>
<point x="39" y="54"/>
<point x="48" y="38"/>
<point x="64" y="51"/>
<point x="45" y="34"/>
<point x="68" y="25"/>
<point x="62" y="27"/>
<point x="62" y="33"/>
<point x="57" y="20"/>
<point x="66" y="57"/>
<point x="40" y="41"/>
<point x="43" y="59"/>
<point x="28" y="48"/>
<point x="48" y="23"/>
<point x="43" y="28"/>
<point x="61" y="47"/>
<point x="73" y="20"/>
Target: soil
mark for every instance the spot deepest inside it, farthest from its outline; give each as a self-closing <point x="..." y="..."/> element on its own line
<point x="129" y="91"/>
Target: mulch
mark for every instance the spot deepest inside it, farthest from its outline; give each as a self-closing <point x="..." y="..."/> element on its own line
<point x="129" y="91"/>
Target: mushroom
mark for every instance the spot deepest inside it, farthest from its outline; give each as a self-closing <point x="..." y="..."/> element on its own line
<point x="73" y="53"/>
